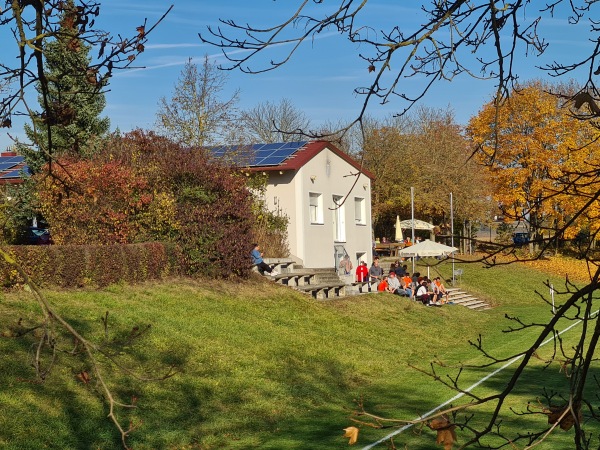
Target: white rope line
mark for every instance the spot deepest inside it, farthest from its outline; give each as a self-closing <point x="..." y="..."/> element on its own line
<point x="469" y="389"/>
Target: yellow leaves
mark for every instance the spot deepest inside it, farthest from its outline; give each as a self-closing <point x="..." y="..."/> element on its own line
<point x="352" y="434"/>
<point x="539" y="151"/>
<point x="576" y="269"/>
<point x="446" y="435"/>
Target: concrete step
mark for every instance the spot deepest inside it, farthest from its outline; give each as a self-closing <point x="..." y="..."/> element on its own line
<point x="324" y="291"/>
<point x="471" y="304"/>
<point x="459" y="295"/>
<point x="482" y="306"/>
<point x="463" y="300"/>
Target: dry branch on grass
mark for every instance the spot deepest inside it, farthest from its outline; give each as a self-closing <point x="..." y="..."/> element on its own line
<point x="51" y="323"/>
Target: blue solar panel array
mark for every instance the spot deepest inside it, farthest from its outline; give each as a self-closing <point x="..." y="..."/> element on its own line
<point x="258" y="155"/>
<point x="8" y="162"/>
<point x="18" y="173"/>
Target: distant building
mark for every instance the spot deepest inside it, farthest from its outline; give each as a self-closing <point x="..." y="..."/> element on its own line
<point x="323" y="191"/>
<point x="12" y="168"/>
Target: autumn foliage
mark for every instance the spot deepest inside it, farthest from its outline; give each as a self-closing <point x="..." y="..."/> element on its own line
<point x="143" y="187"/>
<point x="94" y="202"/>
<point x="429" y="153"/>
<point x="541" y="159"/>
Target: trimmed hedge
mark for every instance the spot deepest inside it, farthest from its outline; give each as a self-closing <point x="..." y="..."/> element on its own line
<point x="72" y="266"/>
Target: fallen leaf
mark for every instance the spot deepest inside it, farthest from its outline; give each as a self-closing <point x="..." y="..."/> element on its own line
<point x="446" y="437"/>
<point x="555" y="412"/>
<point x="445" y="431"/>
<point x="352" y="433"/>
<point x="84" y="377"/>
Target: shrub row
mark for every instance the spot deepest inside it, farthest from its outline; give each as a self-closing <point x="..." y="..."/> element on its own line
<point x="143" y="187"/>
<point x="71" y="266"/>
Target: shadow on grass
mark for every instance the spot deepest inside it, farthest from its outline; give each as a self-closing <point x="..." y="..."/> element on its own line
<point x="61" y="411"/>
<point x="53" y="414"/>
<point x="302" y="404"/>
<point x="408" y="403"/>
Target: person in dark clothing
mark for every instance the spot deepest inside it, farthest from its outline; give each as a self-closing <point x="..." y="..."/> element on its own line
<point x="400" y="271"/>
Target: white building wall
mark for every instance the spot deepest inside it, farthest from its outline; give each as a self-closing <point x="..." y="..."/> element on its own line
<point x="312" y="243"/>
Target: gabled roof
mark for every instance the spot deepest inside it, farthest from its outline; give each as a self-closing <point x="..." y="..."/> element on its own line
<point x="12" y="168"/>
<point x="280" y="156"/>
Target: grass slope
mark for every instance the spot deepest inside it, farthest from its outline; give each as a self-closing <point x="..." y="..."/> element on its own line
<point x="261" y="366"/>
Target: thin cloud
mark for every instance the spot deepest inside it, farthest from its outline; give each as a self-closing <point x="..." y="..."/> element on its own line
<point x="170" y="46"/>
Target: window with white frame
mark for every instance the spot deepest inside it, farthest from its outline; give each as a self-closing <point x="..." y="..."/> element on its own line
<point x="315" y="207"/>
<point x="359" y="211"/>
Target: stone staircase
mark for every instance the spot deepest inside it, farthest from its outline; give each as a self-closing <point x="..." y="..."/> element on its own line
<point x="459" y="297"/>
<point x="320" y="283"/>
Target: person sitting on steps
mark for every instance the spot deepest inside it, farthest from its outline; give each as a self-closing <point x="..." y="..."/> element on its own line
<point x="257" y="260"/>
<point x="408" y="285"/>
<point x="375" y="272"/>
<point x="441" y="290"/>
<point x="422" y="294"/>
<point x="393" y="284"/>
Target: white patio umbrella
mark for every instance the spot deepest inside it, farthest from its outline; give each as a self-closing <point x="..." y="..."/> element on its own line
<point x="419" y="224"/>
<point x="426" y="248"/>
<point x="399" y="237"/>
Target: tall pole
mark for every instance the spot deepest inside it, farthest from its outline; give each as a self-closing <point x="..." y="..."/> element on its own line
<point x="452" y="234"/>
<point x="412" y="214"/>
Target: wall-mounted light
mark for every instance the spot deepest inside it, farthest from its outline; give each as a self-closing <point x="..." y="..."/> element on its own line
<point x="281" y="172"/>
<point x="327" y="167"/>
<point x="313" y="178"/>
<point x="365" y="186"/>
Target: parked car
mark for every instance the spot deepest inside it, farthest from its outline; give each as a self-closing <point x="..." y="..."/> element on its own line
<point x="38" y="236"/>
<point x="520" y="239"/>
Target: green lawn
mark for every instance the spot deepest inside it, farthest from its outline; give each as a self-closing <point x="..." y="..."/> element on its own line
<point x="261" y="366"/>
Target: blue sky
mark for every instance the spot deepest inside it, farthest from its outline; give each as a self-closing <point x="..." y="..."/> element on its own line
<point x="319" y="79"/>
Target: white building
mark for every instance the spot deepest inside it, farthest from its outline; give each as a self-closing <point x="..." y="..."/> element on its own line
<point x="326" y="196"/>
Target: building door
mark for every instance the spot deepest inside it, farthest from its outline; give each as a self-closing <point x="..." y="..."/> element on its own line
<point x="339" y="219"/>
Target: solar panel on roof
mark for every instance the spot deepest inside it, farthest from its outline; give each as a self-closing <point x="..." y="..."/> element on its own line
<point x="13" y="174"/>
<point x="269" y="147"/>
<point x="12" y="158"/>
<point x="6" y="165"/>
<point x="271" y="161"/>
<point x="285" y="152"/>
<point x="258" y="154"/>
<point x="263" y="153"/>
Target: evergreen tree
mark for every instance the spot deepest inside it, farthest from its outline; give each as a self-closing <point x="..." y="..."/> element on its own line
<point x="74" y="101"/>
